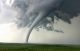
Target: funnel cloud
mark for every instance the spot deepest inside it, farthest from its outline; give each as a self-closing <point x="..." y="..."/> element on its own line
<point x="39" y="14"/>
<point x="38" y="10"/>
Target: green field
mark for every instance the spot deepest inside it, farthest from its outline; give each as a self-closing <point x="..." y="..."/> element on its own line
<point x="37" y="47"/>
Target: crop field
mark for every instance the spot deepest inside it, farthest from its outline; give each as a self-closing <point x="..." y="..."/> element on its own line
<point x="37" y="47"/>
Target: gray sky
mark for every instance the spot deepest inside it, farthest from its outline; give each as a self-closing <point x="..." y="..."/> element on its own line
<point x="11" y="34"/>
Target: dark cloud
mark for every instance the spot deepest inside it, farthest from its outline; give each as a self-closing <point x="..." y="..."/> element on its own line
<point x="30" y="9"/>
<point x="66" y="11"/>
<point x="34" y="7"/>
<point x="34" y="12"/>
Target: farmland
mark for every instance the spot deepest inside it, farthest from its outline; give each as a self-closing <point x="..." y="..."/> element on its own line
<point x="37" y="47"/>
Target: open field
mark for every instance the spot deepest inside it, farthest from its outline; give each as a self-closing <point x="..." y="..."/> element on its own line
<point x="37" y="47"/>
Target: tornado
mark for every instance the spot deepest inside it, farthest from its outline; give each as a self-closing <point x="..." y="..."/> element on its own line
<point x="43" y="8"/>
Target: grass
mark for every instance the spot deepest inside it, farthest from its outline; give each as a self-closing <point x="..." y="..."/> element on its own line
<point x="36" y="47"/>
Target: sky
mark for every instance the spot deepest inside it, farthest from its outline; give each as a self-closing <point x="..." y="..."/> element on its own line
<point x="9" y="33"/>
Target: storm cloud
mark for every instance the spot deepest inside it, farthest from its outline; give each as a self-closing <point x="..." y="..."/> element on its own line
<point x="27" y="14"/>
<point x="37" y="11"/>
<point x="69" y="10"/>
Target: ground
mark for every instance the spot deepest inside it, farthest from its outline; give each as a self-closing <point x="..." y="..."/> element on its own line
<point x="37" y="47"/>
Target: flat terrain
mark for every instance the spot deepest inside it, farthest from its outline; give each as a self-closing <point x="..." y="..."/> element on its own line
<point x="37" y="47"/>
